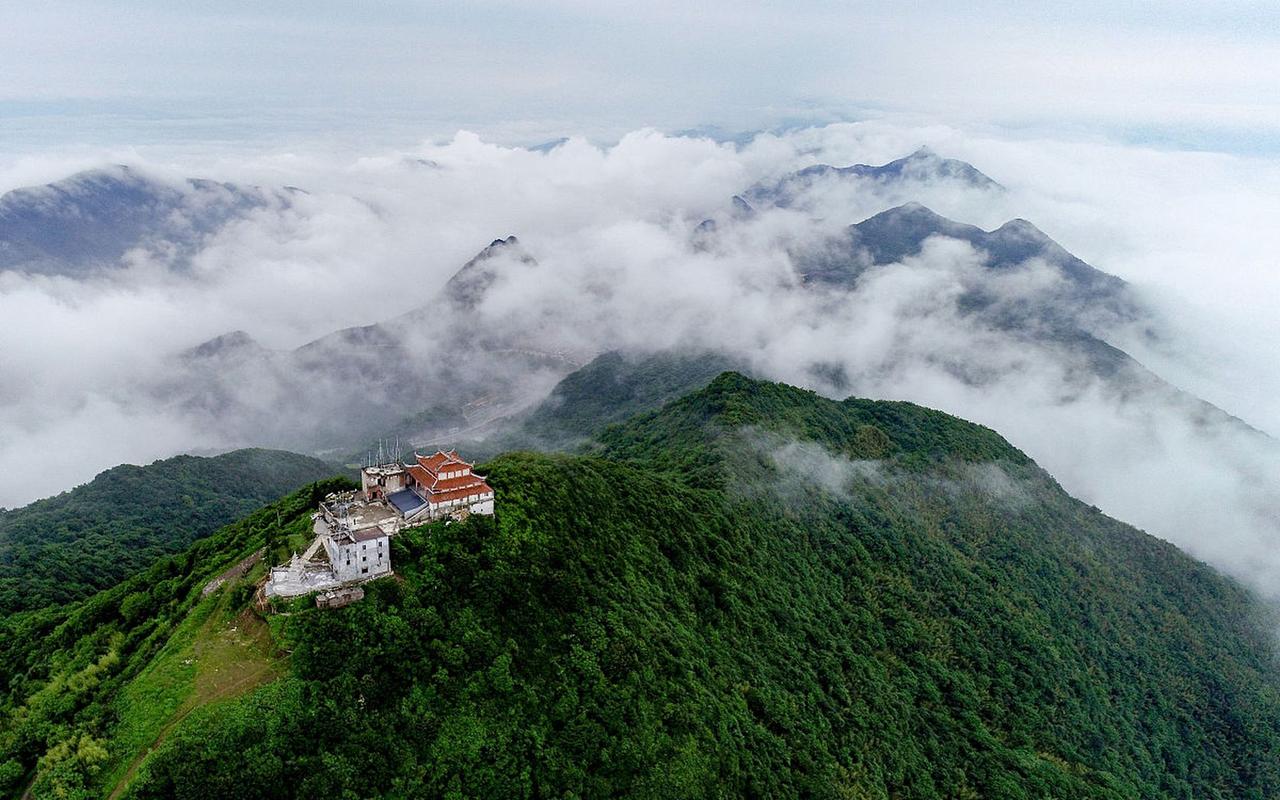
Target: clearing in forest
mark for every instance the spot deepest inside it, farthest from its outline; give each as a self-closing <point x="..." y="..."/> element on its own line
<point x="217" y="653"/>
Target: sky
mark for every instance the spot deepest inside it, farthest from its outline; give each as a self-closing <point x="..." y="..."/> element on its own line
<point x="391" y="72"/>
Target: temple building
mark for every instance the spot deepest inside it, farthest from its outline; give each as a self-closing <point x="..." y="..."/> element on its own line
<point x="353" y="529"/>
<point x="435" y="486"/>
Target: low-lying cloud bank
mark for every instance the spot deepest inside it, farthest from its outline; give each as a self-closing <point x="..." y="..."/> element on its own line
<point x="804" y="465"/>
<point x="613" y="232"/>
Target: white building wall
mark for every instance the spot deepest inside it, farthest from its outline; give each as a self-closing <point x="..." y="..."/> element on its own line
<point x="395" y="482"/>
<point x="390" y="482"/>
<point x="362" y="560"/>
<point x="341" y="561"/>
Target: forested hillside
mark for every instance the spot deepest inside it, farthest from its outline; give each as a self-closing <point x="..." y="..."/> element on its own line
<point x="610" y="389"/>
<point x="89" y="685"/>
<point x="753" y="591"/>
<point x="69" y="546"/>
<point x="616" y="386"/>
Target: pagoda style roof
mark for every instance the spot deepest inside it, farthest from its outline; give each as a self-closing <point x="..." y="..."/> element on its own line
<point x="440" y="460"/>
<point x="437" y="489"/>
<point x="479" y="487"/>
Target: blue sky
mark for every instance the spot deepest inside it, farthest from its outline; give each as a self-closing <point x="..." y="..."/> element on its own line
<point x="145" y="72"/>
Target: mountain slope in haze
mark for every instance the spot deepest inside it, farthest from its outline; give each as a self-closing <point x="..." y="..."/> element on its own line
<point x="88" y="222"/>
<point x="1024" y="293"/>
<point x="466" y="289"/>
<point x="1028" y="285"/>
<point x="754" y="592"/>
<point x="615" y="386"/>
<point x="1069" y="314"/>
<point x="900" y="233"/>
<point x="416" y="375"/>
<point x="67" y="547"/>
<point x="924" y="166"/>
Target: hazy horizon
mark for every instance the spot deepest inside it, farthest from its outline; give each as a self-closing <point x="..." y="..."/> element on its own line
<point x="390" y="73"/>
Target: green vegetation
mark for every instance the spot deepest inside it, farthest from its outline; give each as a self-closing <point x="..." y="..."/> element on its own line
<point x="615" y="387"/>
<point x="609" y="390"/>
<point x="217" y="652"/>
<point x="92" y="537"/>
<point x="90" y="684"/>
<point x="753" y="591"/>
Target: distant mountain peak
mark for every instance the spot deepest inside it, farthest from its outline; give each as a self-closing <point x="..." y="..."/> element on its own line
<point x="467" y="287"/>
<point x="1022" y="227"/>
<point x="234" y="344"/>
<point x="900" y="233"/>
<point x="913" y="213"/>
<point x="89" y="220"/>
<point x="923" y="166"/>
<point x="914" y="207"/>
<point x="926" y="165"/>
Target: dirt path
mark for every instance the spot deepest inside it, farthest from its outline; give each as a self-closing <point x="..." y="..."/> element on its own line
<point x="239" y="569"/>
<point x="247" y="682"/>
<point x="226" y="671"/>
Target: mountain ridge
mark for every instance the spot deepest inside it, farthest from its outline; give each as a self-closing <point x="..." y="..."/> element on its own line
<point x="753" y="590"/>
<point x="921" y="166"/>
<point x="86" y="223"/>
<point x="87" y="538"/>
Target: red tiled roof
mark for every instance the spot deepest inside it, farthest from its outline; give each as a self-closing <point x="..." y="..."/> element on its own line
<point x="437" y="489"/>
<point x="440" y="459"/>
<point x="449" y="484"/>
<point x="481" y="488"/>
<point x="420" y="475"/>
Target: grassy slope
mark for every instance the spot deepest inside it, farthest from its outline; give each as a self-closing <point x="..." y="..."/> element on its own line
<point x="707" y="611"/>
<point x="218" y="652"/>
<point x="69" y="546"/>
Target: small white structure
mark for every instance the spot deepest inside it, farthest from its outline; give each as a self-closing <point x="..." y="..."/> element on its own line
<point x="380" y="480"/>
<point x="298" y="577"/>
<point x="359" y="555"/>
<point x="352" y="545"/>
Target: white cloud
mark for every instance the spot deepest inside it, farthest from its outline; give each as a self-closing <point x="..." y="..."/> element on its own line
<point x="381" y="233"/>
